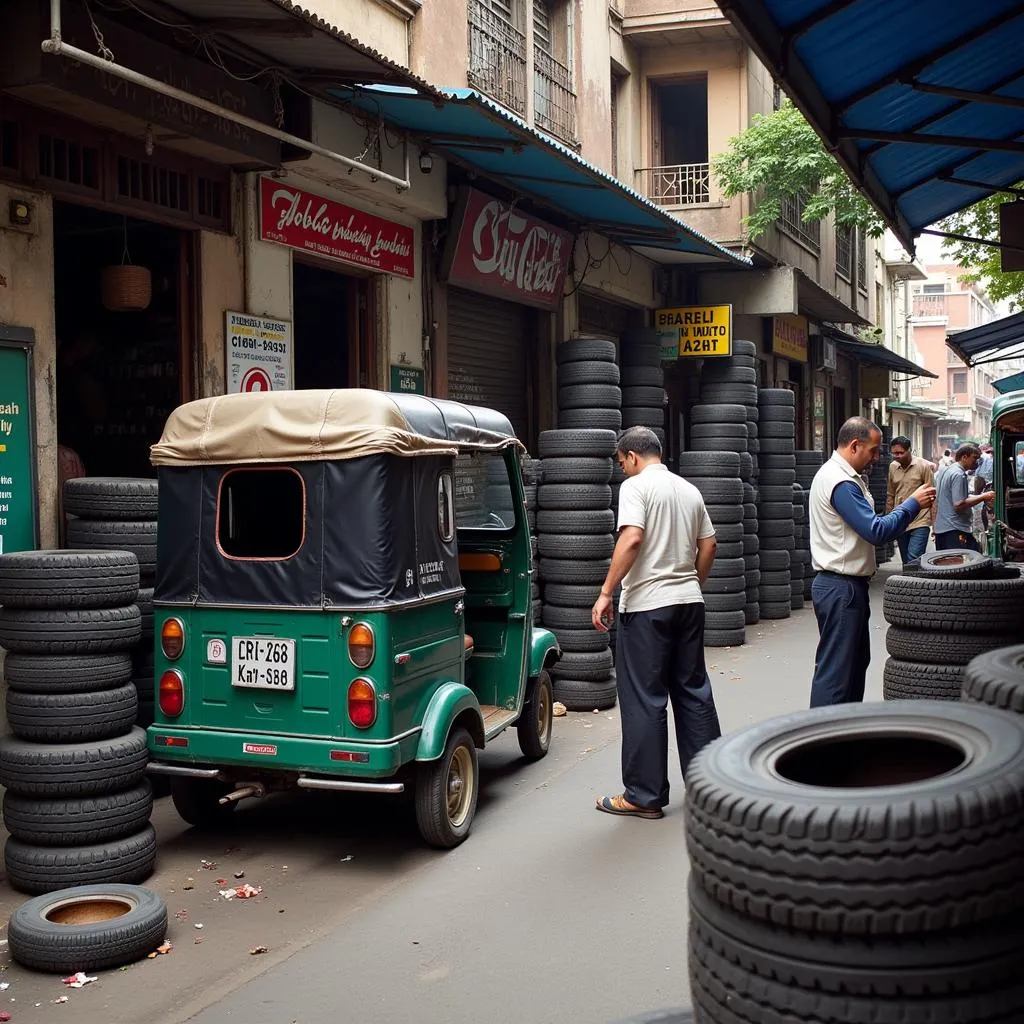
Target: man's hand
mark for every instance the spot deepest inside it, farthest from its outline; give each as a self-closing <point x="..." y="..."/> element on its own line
<point x="924" y="496"/>
<point x="602" y="614"/>
<point x="989" y="496"/>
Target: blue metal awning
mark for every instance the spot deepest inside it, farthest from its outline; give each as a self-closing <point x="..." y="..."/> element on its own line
<point x="1015" y="382"/>
<point x="922" y="102"/>
<point x="485" y="137"/>
<point x="1001" y="339"/>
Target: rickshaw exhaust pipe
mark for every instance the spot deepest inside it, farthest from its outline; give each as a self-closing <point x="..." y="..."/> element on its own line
<point x="250" y="789"/>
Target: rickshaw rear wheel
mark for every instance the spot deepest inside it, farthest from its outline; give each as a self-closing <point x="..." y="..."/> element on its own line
<point x="446" y="792"/>
<point x="198" y="801"/>
<point x="534" y="724"/>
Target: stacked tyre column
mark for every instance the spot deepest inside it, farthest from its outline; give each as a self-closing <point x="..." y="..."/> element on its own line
<point x="77" y="805"/>
<point x="120" y="513"/>
<point x="643" y="382"/>
<point x="878" y="484"/>
<point x="807" y="465"/>
<point x="776" y="525"/>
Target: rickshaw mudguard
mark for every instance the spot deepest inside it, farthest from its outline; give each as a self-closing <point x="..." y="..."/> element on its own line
<point x="544" y="650"/>
<point x="449" y="702"/>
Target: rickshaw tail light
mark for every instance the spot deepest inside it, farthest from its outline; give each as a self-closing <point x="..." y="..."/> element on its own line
<point x="362" y="703"/>
<point x="172" y="693"/>
<point x="361" y="645"/>
<point x="172" y="638"/>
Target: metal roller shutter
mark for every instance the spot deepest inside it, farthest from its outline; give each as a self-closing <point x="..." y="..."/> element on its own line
<point x="488" y="343"/>
<point x="599" y="316"/>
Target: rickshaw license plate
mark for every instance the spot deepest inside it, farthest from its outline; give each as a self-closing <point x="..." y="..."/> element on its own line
<point x="262" y="663"/>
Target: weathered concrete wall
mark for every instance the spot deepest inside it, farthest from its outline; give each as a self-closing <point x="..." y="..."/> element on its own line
<point x="439" y="43"/>
<point x="379" y="24"/>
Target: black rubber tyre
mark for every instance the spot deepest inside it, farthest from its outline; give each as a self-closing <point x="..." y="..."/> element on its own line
<point x="769" y="463"/>
<point x="728" y="514"/>
<point x="752" y="612"/>
<point x="72" y="717"/>
<point x="594" y="521"/>
<point x="61" y="673"/>
<point x="775" y="429"/>
<point x="730" y="549"/>
<point x="752" y="579"/>
<point x="138" y="537"/>
<point x="573" y="443"/>
<point x="642" y="395"/>
<point x="778" y="544"/>
<point x="781" y="414"/>
<point x="643" y="416"/>
<point x="774" y="528"/>
<point x="956" y="605"/>
<point x="590" y="371"/>
<point x="111" y="497"/>
<point x="772" y="447"/>
<point x="714" y="393"/>
<point x="775" y="396"/>
<point x="776" y="817"/>
<point x="725" y="602"/>
<point x="563" y="570"/>
<point x="77" y="631"/>
<point x="447" y="791"/>
<point x="533" y="727"/>
<point x="75" y="929"/>
<point x="727" y="533"/>
<point x="640" y="346"/>
<point x="769" y="477"/>
<point x="579" y="695"/>
<point x="715" y="374"/>
<point x="714" y="637"/>
<point x="569" y="595"/>
<point x="776" y="578"/>
<point x="643" y="376"/>
<point x="578" y="470"/>
<point x="581" y="639"/>
<point x="951" y="564"/>
<point x="72" y="769"/>
<point x="78" y="821"/>
<point x="577" y="350"/>
<point x="718" y="414"/>
<point x="723" y="568"/>
<point x="706" y="430"/>
<point x="718" y="444"/>
<point x="725" y="620"/>
<point x="725" y="491"/>
<point x="997" y="678"/>
<point x="68" y="579"/>
<point x="40" y="869"/>
<point x="590" y="419"/>
<point x="775" y="609"/>
<point x="771" y="492"/>
<point x="717" y="465"/>
<point x="773" y="593"/>
<point x="757" y="972"/>
<point x="724" y="585"/>
<point x="775" y="510"/>
<point x="571" y="497"/>
<point x="585" y="667"/>
<point x="913" y="680"/>
<point x="557" y="616"/>
<point x="590" y="396"/>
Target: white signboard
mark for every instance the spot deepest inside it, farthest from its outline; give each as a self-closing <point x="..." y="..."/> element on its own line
<point x="259" y="353"/>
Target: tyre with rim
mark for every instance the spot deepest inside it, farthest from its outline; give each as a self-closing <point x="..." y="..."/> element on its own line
<point x="447" y="791"/>
<point x="533" y="728"/>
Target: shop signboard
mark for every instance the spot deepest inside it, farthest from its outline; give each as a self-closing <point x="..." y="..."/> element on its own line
<point x="310" y="223"/>
<point x="259" y="353"/>
<point x="19" y="527"/>
<point x="408" y="379"/>
<point x="819" y="419"/>
<point x="498" y="250"/>
<point x="789" y="337"/>
<point x="698" y="332"/>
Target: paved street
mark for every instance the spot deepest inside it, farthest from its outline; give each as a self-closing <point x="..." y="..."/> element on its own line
<point x="550" y="912"/>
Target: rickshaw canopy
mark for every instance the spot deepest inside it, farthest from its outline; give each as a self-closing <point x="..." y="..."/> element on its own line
<point x="315" y="425"/>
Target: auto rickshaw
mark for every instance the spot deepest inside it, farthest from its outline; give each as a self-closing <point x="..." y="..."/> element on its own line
<point x="1008" y="475"/>
<point x="342" y="601"/>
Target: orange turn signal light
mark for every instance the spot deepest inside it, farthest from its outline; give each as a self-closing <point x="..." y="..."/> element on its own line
<point x="361" y="645"/>
<point x="172" y="638"/>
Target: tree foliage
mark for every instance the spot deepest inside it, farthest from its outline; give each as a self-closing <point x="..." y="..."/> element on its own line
<point x="780" y="156"/>
<point x="982" y="221"/>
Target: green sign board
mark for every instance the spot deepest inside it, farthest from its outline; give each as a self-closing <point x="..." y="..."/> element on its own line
<point x="18" y="500"/>
<point x="410" y="379"/>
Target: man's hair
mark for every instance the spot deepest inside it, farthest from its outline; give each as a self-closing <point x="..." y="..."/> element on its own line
<point x="966" y="450"/>
<point x="641" y="440"/>
<point x="903" y="442"/>
<point x="946" y="452"/>
<point x="856" y="428"/>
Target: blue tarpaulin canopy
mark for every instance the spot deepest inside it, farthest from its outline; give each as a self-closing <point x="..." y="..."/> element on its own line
<point x="922" y="101"/>
<point x="1015" y="382"/>
<point x="1000" y="339"/>
<point x="483" y="136"/>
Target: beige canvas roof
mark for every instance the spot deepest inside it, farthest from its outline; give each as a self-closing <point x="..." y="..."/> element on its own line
<point x="302" y="426"/>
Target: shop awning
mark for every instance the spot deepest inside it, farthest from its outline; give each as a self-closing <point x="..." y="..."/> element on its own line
<point x="822" y="305"/>
<point x="486" y="138"/>
<point x="1015" y="382"/>
<point x="913" y="410"/>
<point x="867" y="353"/>
<point x="1001" y="339"/>
<point x="923" y="104"/>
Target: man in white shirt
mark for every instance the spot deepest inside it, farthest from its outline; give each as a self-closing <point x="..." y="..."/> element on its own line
<point x="663" y="555"/>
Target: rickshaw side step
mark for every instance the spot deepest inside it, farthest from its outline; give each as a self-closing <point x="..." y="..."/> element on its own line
<point x="496" y="718"/>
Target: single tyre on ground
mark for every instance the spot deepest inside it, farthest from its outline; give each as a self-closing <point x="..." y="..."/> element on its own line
<point x="111" y="498"/>
<point x="997" y="678"/>
<point x="87" y="928"/>
<point x="68" y="579"/>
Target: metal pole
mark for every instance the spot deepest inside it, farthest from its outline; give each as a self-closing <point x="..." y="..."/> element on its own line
<point x="59" y="48"/>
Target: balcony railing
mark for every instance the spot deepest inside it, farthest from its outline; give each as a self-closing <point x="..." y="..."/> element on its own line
<point x="930" y="305"/>
<point x="497" y="57"/>
<point x="791" y="221"/>
<point x="554" y="101"/>
<point x="678" y="184"/>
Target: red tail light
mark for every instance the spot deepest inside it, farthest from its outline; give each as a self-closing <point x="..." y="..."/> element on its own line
<point x="171" y="693"/>
<point x="362" y="703"/>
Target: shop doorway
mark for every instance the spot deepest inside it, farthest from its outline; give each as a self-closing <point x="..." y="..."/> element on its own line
<point x="119" y="374"/>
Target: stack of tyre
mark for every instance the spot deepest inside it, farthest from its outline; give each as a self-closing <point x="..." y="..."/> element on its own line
<point x="807" y="464"/>
<point x="878" y="483"/>
<point x="120" y="513"/>
<point x="859" y="863"/>
<point x="775" y="510"/>
<point x="943" y="610"/>
<point x="531" y="474"/>
<point x="751" y="553"/>
<point x="643" y="383"/>
<point x="800" y="559"/>
<point x="77" y="804"/>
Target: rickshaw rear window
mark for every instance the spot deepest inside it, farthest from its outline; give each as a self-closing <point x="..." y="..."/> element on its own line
<point x="261" y="513"/>
<point x="483" y="493"/>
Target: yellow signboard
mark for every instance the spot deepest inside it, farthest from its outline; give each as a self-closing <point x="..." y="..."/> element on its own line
<point x="789" y="337"/>
<point x="698" y="331"/>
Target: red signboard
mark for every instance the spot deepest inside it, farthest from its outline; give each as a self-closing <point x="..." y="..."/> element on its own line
<point x="501" y="251"/>
<point x="303" y="220"/>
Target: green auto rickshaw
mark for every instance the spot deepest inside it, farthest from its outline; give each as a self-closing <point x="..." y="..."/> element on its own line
<point x="342" y="601"/>
<point x="1007" y="439"/>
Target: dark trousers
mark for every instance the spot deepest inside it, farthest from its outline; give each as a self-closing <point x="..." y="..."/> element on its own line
<point x="949" y="539"/>
<point x="660" y="658"/>
<point x="844" y="639"/>
<point x="912" y="544"/>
